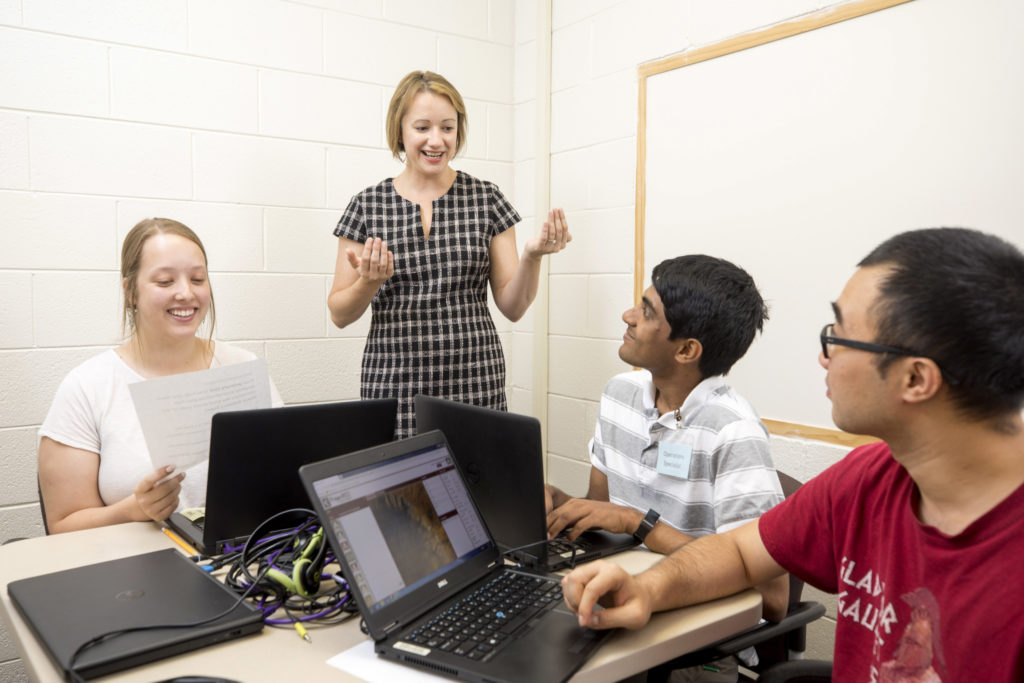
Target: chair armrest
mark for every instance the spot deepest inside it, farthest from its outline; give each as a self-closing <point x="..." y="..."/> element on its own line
<point x="799" y="616"/>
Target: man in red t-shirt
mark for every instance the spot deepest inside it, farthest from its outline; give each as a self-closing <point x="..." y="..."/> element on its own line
<point x="920" y="534"/>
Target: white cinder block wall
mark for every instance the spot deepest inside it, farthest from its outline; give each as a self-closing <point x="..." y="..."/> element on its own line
<point x="254" y="121"/>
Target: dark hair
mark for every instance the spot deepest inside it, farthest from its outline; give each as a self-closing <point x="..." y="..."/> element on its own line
<point x="957" y="296"/>
<point x="713" y="301"/>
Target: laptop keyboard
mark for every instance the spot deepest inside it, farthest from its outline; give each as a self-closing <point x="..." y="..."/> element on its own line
<point x="481" y="623"/>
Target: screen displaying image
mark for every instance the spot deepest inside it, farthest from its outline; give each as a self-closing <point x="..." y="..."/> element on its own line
<point x="402" y="522"/>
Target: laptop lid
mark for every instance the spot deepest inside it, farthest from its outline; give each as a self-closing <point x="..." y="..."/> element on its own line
<point x="501" y="455"/>
<point x="403" y="526"/>
<point x="415" y="549"/>
<point x="68" y="608"/>
<point x="255" y="456"/>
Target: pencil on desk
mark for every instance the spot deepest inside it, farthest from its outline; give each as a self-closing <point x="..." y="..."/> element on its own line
<point x="189" y="550"/>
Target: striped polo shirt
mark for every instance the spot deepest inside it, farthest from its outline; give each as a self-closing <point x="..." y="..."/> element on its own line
<point x="731" y="479"/>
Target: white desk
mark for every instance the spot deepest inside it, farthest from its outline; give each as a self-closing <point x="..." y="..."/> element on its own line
<point x="278" y="654"/>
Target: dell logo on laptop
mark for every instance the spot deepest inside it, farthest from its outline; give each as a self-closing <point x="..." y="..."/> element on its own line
<point x="442" y="583"/>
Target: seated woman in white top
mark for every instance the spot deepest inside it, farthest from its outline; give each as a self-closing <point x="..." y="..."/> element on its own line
<point x="94" y="467"/>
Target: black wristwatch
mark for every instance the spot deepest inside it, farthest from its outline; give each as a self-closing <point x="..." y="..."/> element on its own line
<point x="650" y="519"/>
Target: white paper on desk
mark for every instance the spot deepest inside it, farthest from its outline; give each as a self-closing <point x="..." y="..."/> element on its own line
<point x="175" y="411"/>
<point x="363" y="662"/>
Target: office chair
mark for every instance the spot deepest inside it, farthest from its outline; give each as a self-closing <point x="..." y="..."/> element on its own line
<point x="776" y="643"/>
<point x="42" y="508"/>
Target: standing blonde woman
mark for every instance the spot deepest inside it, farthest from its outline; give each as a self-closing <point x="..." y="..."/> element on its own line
<point x="421" y="250"/>
<point x="94" y="467"/>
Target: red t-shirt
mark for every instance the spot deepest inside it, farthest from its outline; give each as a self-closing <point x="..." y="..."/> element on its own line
<point x="914" y="604"/>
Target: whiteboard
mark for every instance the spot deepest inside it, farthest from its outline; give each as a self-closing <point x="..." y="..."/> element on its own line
<point x="793" y="159"/>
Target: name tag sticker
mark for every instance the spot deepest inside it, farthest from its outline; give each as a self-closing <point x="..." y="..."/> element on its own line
<point x="674" y="459"/>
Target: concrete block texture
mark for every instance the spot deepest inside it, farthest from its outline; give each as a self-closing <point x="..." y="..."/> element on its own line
<point x="312" y="371"/>
<point x="567" y="304"/>
<point x="284" y="35"/>
<point x="349" y="39"/>
<point x="13" y="671"/>
<point x="519" y="401"/>
<point x="14" y="166"/>
<point x="157" y="25"/>
<point x="76" y="308"/>
<point x="575" y="427"/>
<point x="655" y="28"/>
<point x="524" y="197"/>
<point x="350" y="170"/>
<point x="476" y="130"/>
<point x="33" y="376"/>
<point x="524" y="137"/>
<point x="519" y="354"/>
<point x="461" y="17"/>
<point x="90" y="156"/>
<point x="524" y="82"/>
<point x="579" y="366"/>
<point x="564" y="12"/>
<point x="479" y="69"/>
<point x="250" y="170"/>
<point x="57" y="231"/>
<point x="501" y="21"/>
<point x="10" y="12"/>
<point x="323" y="108"/>
<point x="18" y="450"/>
<point x="15" y="310"/>
<point x="499" y="132"/>
<point x="572" y="476"/>
<point x="20" y="521"/>
<point x="609" y="296"/>
<point x="587" y="114"/>
<point x="251" y="306"/>
<point x="74" y="71"/>
<point x="300" y="240"/>
<point x="570" y="56"/>
<point x="182" y="90"/>
<point x="526" y="21"/>
<point x="365" y="8"/>
<point x="602" y="242"/>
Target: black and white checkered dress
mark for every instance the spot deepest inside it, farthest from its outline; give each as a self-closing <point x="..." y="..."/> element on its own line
<point x="431" y="331"/>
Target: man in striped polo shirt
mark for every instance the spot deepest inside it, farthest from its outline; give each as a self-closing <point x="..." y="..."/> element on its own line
<point x="677" y="454"/>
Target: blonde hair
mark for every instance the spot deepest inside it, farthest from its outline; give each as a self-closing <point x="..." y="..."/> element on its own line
<point x="131" y="260"/>
<point x="408" y="88"/>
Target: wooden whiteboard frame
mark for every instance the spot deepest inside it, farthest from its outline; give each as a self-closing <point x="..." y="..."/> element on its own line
<point x="803" y="24"/>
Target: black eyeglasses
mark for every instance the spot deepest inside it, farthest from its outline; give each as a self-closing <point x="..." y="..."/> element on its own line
<point x="827" y="339"/>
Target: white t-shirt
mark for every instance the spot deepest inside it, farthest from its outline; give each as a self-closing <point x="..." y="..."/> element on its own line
<point x="93" y="411"/>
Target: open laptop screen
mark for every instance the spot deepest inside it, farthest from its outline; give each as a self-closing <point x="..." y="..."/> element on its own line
<point x="402" y="523"/>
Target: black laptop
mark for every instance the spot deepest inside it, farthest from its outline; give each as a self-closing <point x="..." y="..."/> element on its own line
<point x="430" y="581"/>
<point x="501" y="456"/>
<point x="254" y="460"/>
<point x="68" y="608"/>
